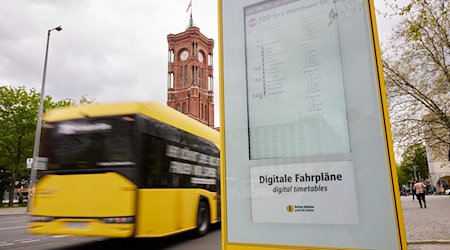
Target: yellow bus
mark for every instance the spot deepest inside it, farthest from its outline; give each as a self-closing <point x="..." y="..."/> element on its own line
<point x="126" y="170"/>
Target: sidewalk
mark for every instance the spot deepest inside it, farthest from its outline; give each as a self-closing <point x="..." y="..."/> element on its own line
<point x="13" y="210"/>
<point x="427" y="228"/>
<point x="428" y="246"/>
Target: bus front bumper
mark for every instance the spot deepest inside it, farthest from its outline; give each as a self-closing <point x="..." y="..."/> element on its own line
<point x="81" y="227"/>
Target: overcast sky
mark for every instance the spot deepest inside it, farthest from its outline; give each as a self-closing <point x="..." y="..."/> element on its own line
<point x="108" y="50"/>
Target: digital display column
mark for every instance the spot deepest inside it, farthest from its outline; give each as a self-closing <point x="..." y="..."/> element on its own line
<point x="306" y="151"/>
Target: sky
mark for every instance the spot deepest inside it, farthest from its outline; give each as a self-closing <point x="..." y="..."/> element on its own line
<point x="108" y="50"/>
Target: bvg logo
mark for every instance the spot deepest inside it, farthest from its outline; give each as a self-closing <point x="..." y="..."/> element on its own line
<point x="252" y="22"/>
<point x="290" y="208"/>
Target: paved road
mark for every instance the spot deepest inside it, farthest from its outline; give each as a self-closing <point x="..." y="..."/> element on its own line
<point x="13" y="235"/>
<point x="426" y="229"/>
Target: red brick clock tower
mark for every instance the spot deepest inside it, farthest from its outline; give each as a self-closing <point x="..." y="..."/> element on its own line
<point x="190" y="74"/>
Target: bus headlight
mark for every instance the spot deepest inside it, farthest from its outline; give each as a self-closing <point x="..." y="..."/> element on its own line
<point x="120" y="220"/>
<point x="41" y="218"/>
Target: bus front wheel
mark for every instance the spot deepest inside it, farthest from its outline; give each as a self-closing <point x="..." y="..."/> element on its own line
<point x="202" y="219"/>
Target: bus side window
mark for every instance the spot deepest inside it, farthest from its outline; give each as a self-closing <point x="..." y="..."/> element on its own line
<point x="155" y="162"/>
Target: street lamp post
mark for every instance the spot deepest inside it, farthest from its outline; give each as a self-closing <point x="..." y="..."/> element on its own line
<point x="37" y="137"/>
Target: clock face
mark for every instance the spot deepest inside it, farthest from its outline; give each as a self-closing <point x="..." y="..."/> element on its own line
<point x="200" y="57"/>
<point x="184" y="55"/>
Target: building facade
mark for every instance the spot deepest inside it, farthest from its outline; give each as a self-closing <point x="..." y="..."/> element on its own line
<point x="438" y="159"/>
<point x="190" y="78"/>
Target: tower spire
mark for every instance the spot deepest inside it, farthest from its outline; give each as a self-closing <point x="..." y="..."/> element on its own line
<point x="191" y="20"/>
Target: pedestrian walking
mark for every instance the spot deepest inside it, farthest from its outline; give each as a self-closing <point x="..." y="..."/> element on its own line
<point x="419" y="188"/>
<point x="412" y="189"/>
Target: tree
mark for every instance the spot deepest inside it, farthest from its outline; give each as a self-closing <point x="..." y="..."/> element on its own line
<point x="403" y="178"/>
<point x="85" y="100"/>
<point x="417" y="73"/>
<point x="18" y="116"/>
<point x="414" y="163"/>
<point x="5" y="181"/>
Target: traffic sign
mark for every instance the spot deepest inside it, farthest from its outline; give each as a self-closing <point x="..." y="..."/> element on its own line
<point x="42" y="163"/>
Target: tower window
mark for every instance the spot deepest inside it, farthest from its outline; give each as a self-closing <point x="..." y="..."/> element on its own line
<point x="185" y="80"/>
<point x="193" y="75"/>
<point x="201" y="113"/>
<point x="181" y="75"/>
<point x="210" y="83"/>
<point x="197" y="74"/>
<point x="210" y="60"/>
<point x="170" y="80"/>
<point x="171" y="56"/>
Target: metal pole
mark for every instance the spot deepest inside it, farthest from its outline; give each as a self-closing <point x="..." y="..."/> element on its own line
<point x="37" y="137"/>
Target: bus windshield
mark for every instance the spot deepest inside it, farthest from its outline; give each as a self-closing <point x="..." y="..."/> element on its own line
<point x="89" y="143"/>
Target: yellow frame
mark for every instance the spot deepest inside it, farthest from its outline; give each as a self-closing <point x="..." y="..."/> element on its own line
<point x="388" y="137"/>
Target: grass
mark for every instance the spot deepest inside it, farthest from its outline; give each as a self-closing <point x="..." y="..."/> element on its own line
<point x="14" y="205"/>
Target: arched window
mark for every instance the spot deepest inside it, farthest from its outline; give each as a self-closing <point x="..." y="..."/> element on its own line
<point x="201" y="113"/>
<point x="170" y="80"/>
<point x="210" y="83"/>
<point x="210" y="60"/>
<point x="181" y="75"/>
<point x="171" y="56"/>
<point x="185" y="75"/>
<point x="200" y="74"/>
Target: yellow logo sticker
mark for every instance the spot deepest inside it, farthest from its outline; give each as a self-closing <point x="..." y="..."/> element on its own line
<point x="290" y="208"/>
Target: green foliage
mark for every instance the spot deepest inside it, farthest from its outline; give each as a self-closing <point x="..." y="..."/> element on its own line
<point x="18" y="112"/>
<point x="414" y="159"/>
<point x="18" y="116"/>
<point x="403" y="178"/>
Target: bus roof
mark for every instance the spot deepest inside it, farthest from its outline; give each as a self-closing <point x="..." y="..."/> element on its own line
<point x="154" y="110"/>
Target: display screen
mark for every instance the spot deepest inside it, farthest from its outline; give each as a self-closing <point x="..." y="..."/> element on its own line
<point x="304" y="126"/>
<point x="295" y="90"/>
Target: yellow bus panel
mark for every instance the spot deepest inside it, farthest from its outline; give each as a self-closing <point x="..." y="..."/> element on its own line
<point x="162" y="212"/>
<point x="84" y="195"/>
<point x="78" y="211"/>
